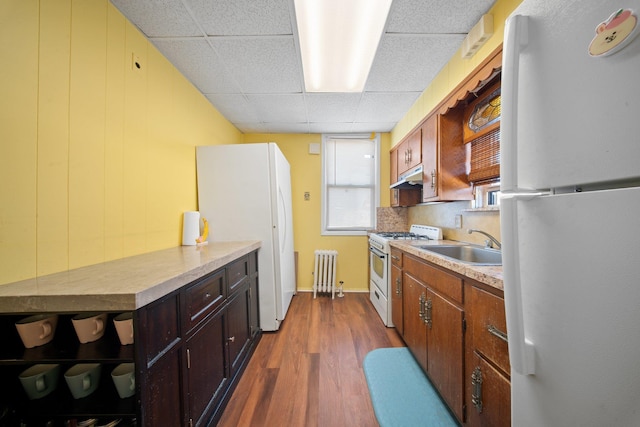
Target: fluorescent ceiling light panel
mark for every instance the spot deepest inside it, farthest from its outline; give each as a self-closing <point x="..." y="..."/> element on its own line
<point x="338" y="41"/>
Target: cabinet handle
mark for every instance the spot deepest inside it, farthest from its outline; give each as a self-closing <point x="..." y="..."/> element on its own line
<point x="231" y="339"/>
<point x="395" y="258"/>
<point x="398" y="291"/>
<point x="421" y="309"/>
<point x="410" y="154"/>
<point x="498" y="333"/>
<point x="433" y="179"/>
<point x="188" y="359"/>
<point x="427" y="316"/>
<point x="476" y="388"/>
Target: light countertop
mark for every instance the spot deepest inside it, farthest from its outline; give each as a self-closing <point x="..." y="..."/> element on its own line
<point x="120" y="285"/>
<point x="490" y="275"/>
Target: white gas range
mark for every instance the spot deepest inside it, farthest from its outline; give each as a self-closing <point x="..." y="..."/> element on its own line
<point x="380" y="264"/>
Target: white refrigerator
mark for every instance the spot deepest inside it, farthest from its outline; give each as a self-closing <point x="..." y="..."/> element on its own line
<point x="570" y="212"/>
<point x="244" y="191"/>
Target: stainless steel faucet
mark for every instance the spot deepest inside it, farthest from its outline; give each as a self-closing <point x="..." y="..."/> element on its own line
<point x="487" y="242"/>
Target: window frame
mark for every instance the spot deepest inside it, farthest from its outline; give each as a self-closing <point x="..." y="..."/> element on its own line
<point x="350" y="231"/>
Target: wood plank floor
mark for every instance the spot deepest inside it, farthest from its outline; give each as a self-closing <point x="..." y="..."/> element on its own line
<point x="310" y="372"/>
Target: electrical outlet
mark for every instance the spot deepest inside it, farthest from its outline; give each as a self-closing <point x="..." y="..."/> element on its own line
<point x="458" y="221"/>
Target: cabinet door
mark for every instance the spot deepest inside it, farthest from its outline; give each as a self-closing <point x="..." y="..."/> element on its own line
<point x="414" y="149"/>
<point x="239" y="332"/>
<point x="161" y="392"/>
<point x="396" y="298"/>
<point x="446" y="350"/>
<point x="430" y="157"/>
<point x="489" y="396"/>
<point x="206" y="377"/>
<point x="415" y="330"/>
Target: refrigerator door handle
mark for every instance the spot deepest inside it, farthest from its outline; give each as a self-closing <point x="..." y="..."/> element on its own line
<point x="521" y="349"/>
<point x="515" y="40"/>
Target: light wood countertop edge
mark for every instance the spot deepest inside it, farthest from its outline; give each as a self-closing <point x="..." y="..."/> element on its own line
<point x="120" y="285"/>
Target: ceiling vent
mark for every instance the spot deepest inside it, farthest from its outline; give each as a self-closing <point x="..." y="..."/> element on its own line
<point x="478" y="36"/>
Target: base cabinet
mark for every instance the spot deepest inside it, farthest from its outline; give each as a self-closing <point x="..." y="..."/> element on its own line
<point x="456" y="330"/>
<point x="488" y="369"/>
<point x="433" y="327"/>
<point x="189" y="351"/>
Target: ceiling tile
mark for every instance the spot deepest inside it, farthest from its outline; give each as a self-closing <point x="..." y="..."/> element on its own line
<point x="408" y="63"/>
<point x="332" y="107"/>
<point x="199" y="63"/>
<point x="235" y="107"/>
<point x="435" y="16"/>
<point x="331" y="127"/>
<point x="373" y="127"/>
<point x="279" y="108"/>
<point x="242" y="17"/>
<point x="396" y="106"/>
<point x="159" y="18"/>
<point x="262" y="64"/>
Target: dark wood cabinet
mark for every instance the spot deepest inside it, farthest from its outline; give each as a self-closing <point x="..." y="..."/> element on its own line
<point x="190" y="349"/>
<point x="456" y="329"/>
<point x="404" y="197"/>
<point x="396" y="290"/>
<point x="206" y="374"/>
<point x="444" y="158"/>
<point x="433" y="327"/>
<point x="488" y="384"/>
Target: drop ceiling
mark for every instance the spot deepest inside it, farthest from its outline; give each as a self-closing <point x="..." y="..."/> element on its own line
<point x="243" y="55"/>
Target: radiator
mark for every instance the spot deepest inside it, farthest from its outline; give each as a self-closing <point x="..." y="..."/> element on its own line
<point x="324" y="273"/>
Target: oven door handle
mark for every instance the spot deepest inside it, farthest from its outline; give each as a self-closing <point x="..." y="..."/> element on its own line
<point x="377" y="253"/>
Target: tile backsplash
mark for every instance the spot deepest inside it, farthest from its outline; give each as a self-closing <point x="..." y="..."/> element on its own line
<point x="444" y="215"/>
<point x="392" y="219"/>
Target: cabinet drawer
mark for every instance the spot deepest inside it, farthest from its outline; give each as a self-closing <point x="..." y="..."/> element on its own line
<point x="488" y="325"/>
<point x="436" y="279"/>
<point x="204" y="296"/>
<point x="237" y="272"/>
<point x="396" y="257"/>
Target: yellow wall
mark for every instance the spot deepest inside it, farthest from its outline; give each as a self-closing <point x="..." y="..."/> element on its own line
<point x="453" y="73"/>
<point x="97" y="159"/>
<point x="306" y="175"/>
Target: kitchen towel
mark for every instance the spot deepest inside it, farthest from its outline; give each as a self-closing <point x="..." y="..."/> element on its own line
<point x="190" y="228"/>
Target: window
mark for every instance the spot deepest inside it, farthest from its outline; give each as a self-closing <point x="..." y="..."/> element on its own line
<point x="350" y="183"/>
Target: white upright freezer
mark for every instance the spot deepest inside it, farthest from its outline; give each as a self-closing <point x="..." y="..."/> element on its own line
<point x="570" y="212"/>
<point x="244" y="191"/>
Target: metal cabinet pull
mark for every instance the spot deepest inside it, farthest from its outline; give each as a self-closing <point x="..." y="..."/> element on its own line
<point x="433" y="179"/>
<point x="232" y="339"/>
<point x="476" y="388"/>
<point x="188" y="359"/>
<point x="421" y="310"/>
<point x="427" y="317"/>
<point x="395" y="258"/>
<point x="398" y="290"/>
<point x="498" y="333"/>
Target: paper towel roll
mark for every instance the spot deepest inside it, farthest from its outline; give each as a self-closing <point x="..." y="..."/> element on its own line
<point x="190" y="228"/>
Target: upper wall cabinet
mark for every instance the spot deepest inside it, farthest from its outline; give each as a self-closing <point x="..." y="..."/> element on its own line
<point x="444" y="158"/>
<point x="409" y="152"/>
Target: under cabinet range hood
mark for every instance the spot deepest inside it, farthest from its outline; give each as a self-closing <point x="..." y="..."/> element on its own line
<point x="411" y="179"/>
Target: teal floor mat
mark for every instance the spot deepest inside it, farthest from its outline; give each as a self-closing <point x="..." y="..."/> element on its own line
<point x="401" y="393"/>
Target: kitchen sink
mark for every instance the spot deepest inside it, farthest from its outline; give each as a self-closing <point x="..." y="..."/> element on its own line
<point x="467" y="254"/>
